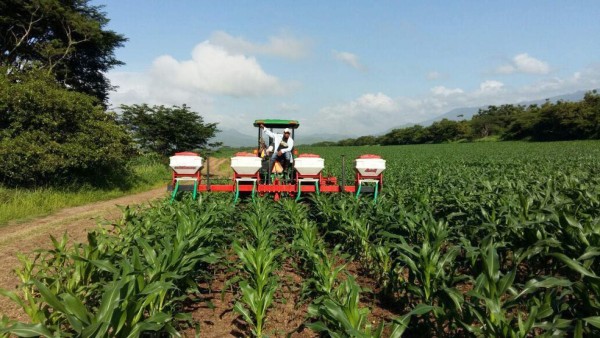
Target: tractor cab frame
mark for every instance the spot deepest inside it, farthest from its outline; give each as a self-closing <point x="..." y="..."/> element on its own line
<point x="276" y="126"/>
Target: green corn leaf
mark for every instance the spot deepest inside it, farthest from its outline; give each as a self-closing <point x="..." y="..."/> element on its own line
<point x="110" y="300"/>
<point x="183" y="317"/>
<point x="574" y="265"/>
<point x="92" y="330"/>
<point x="525" y="327"/>
<point x="548" y="282"/>
<point x="590" y="252"/>
<point x="105" y="265"/>
<point x="317" y="326"/>
<point x="239" y="308"/>
<point x="12" y="296"/>
<point x="157" y="287"/>
<point x="578" y="330"/>
<point x="506" y="281"/>
<point x="28" y="330"/>
<point x="75" y="307"/>
<point x="456" y="297"/>
<point x="492" y="262"/>
<point x="144" y="326"/>
<point x="49" y="296"/>
<point x="594" y="321"/>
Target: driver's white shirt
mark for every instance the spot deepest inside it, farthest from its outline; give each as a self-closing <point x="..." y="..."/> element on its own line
<point x="277" y="140"/>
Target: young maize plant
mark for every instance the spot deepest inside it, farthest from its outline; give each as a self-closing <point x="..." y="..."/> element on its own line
<point x="258" y="259"/>
<point x="340" y="315"/>
<point x="495" y="299"/>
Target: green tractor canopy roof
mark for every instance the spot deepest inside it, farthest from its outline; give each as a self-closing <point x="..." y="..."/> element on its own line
<point x="273" y="123"/>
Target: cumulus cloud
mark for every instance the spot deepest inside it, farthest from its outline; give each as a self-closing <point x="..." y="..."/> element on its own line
<point x="349" y="59"/>
<point x="214" y="70"/>
<point x="443" y="91"/>
<point x="283" y="45"/>
<point x="523" y="63"/>
<point x="490" y="86"/>
<point x="362" y="116"/>
<point x="210" y="72"/>
<point x="585" y="79"/>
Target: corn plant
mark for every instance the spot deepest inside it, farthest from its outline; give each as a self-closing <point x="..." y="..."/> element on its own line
<point x="495" y="299"/>
<point x="340" y="314"/>
<point x="258" y="259"/>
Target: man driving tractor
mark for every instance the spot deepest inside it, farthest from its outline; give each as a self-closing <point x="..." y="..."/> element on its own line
<point x="282" y="145"/>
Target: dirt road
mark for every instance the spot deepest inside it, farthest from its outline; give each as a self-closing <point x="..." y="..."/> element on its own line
<point x="24" y="238"/>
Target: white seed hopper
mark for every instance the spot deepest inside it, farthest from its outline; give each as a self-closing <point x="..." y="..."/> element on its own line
<point x="186" y="163"/>
<point x="246" y="163"/>
<point x="369" y="165"/>
<point x="309" y="164"/>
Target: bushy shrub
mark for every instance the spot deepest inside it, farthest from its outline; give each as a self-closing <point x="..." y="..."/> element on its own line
<point x="53" y="135"/>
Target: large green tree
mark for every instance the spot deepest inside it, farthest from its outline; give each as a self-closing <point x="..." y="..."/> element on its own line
<point x="53" y="135"/>
<point x="167" y="130"/>
<point x="66" y="38"/>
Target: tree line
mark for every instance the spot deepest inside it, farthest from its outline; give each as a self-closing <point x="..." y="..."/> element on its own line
<point x="558" y="121"/>
<point x="55" y="128"/>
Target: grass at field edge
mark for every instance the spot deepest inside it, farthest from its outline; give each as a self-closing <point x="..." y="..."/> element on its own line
<point x="21" y="205"/>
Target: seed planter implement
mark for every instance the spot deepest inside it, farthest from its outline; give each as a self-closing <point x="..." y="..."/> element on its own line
<point x="255" y="173"/>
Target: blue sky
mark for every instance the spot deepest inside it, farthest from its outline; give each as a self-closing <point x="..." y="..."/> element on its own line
<point x="350" y="67"/>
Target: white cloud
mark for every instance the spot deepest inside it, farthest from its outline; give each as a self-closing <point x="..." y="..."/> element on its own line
<point x="213" y="70"/>
<point x="490" y="86"/>
<point x="349" y="59"/>
<point x="443" y="91"/>
<point x="523" y="63"/>
<point x="283" y="45"/>
<point x="586" y="79"/>
<point x="363" y="116"/>
<point x="372" y="114"/>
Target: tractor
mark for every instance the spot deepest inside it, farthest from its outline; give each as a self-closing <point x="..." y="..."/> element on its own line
<point x="255" y="174"/>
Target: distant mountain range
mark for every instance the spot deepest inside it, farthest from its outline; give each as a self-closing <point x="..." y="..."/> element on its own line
<point x="233" y="138"/>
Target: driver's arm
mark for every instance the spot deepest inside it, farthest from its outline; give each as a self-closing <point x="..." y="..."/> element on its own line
<point x="290" y="143"/>
<point x="269" y="133"/>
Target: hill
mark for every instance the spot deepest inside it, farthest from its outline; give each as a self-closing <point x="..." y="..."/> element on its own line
<point x="233" y="138"/>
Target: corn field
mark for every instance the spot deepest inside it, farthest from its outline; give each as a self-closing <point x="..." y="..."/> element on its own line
<point x="483" y="240"/>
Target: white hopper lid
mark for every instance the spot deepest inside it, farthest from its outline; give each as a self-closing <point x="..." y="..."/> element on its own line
<point x="309" y="164"/>
<point x="369" y="165"/>
<point x="244" y="163"/>
<point x="185" y="163"/>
